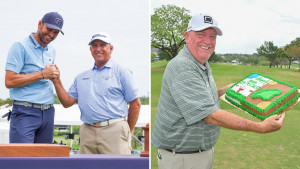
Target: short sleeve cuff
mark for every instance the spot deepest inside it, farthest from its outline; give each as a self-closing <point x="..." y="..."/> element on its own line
<point x="12" y="67"/>
<point x="132" y="96"/>
<point x="201" y="116"/>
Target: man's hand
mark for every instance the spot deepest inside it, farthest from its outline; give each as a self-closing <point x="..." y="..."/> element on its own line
<point x="273" y="123"/>
<point x="56" y="79"/>
<point x="223" y="89"/>
<point x="50" y="72"/>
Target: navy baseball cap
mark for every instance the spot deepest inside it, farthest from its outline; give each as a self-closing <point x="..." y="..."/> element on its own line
<point x="54" y="20"/>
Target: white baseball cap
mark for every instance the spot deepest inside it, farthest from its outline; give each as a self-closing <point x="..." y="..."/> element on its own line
<point x="101" y="36"/>
<point x="200" y="22"/>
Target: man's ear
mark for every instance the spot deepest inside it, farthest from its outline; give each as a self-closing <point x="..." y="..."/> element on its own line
<point x="111" y="48"/>
<point x="40" y="24"/>
<point x="186" y="36"/>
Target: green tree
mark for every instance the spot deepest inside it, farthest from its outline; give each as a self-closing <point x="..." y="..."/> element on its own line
<point x="268" y="50"/>
<point x="290" y="57"/>
<point x="163" y="55"/>
<point x="294" y="52"/>
<point x="168" y="24"/>
<point x="7" y="101"/>
<point x="215" y="58"/>
<point x="253" y="60"/>
<point x="144" y="100"/>
<point x="295" y="42"/>
<point x="56" y="100"/>
<point x="282" y="58"/>
<point x="153" y="55"/>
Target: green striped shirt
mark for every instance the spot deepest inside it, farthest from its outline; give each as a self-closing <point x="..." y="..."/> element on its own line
<point x="188" y="94"/>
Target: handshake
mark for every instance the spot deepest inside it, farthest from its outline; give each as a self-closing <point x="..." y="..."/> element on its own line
<point x="50" y="72"/>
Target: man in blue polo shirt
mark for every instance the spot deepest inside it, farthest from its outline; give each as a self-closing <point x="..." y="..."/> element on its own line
<point x="102" y="94"/>
<point x="28" y="68"/>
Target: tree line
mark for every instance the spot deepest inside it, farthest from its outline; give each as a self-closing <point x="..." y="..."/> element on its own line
<point x="169" y="22"/>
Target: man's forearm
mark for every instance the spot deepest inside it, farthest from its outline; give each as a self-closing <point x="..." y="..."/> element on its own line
<point x="134" y="110"/>
<point x="13" y="80"/>
<point x="63" y="95"/>
<point x="229" y="120"/>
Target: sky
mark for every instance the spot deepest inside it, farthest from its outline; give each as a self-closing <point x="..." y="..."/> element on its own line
<point x="246" y="24"/>
<point x="126" y="21"/>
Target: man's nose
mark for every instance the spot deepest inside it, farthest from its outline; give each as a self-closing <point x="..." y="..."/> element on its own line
<point x="51" y="34"/>
<point x="98" y="48"/>
<point x="207" y="40"/>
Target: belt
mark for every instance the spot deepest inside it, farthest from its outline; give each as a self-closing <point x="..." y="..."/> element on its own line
<point x="107" y="122"/>
<point x="28" y="104"/>
<point x="184" y="152"/>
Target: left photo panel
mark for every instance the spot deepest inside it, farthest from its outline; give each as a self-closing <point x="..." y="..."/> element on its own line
<point x="75" y="84"/>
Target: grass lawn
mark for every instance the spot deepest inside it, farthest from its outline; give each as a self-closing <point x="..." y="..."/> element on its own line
<point x="245" y="150"/>
<point x="75" y="145"/>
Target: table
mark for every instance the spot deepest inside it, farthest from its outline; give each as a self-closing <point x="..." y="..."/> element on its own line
<point x="76" y="161"/>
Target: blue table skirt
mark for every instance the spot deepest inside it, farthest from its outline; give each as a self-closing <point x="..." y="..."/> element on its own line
<point x="77" y="161"/>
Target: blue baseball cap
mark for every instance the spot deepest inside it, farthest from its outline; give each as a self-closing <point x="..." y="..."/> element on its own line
<point x="53" y="20"/>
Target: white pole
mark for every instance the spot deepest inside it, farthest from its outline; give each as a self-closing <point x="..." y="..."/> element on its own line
<point x="71" y="139"/>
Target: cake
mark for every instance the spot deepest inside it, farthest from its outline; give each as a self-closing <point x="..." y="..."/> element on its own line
<point x="262" y="96"/>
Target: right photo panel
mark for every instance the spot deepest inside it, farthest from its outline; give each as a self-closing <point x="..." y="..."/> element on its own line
<point x="225" y="84"/>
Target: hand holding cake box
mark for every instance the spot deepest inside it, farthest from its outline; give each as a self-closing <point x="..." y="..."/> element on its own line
<point x="262" y="96"/>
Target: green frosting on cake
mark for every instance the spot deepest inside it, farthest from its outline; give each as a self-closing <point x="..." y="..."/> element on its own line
<point x="266" y="94"/>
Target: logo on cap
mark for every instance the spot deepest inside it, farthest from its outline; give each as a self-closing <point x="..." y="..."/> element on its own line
<point x="208" y="19"/>
<point x="58" y="21"/>
<point x="98" y="35"/>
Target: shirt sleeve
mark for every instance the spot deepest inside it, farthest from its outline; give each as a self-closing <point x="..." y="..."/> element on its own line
<point x="192" y="96"/>
<point x="73" y="90"/>
<point x="15" y="58"/>
<point x="54" y="56"/>
<point x="129" y="88"/>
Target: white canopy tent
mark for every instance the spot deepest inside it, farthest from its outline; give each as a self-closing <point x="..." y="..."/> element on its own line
<point x="71" y="116"/>
<point x="4" y="125"/>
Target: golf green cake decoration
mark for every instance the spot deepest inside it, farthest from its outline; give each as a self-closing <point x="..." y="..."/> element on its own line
<point x="266" y="94"/>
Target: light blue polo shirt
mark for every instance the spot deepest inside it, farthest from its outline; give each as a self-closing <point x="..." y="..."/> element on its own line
<point x="103" y="94"/>
<point x="26" y="57"/>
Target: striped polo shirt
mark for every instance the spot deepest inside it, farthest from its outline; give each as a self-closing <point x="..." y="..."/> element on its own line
<point x="188" y="95"/>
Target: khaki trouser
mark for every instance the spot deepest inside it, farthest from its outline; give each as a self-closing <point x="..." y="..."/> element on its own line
<point x="201" y="160"/>
<point x="111" y="139"/>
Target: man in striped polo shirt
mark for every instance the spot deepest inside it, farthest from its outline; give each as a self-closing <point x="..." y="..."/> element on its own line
<point x="102" y="94"/>
<point x="189" y="117"/>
